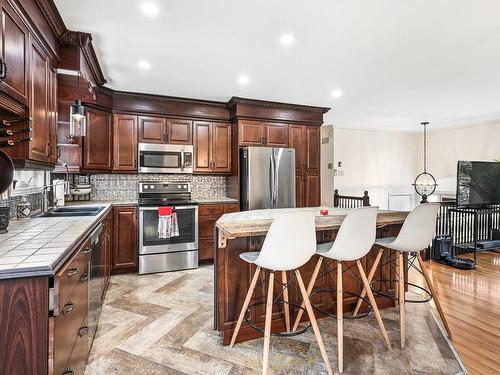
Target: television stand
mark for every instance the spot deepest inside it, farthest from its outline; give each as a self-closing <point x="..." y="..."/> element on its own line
<point x="474" y="227"/>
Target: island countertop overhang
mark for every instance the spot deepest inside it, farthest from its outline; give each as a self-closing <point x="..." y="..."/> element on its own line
<point x="257" y="222"/>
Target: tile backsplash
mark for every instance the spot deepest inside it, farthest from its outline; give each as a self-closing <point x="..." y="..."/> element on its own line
<point x="108" y="187"/>
<point x="35" y="200"/>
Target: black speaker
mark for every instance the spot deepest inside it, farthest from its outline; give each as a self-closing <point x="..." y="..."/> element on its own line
<point x="441" y="247"/>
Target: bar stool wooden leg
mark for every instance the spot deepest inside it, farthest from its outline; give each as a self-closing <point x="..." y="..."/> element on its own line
<point x="245" y="306"/>
<point x="402" y="315"/>
<point x="370" y="278"/>
<point x="267" y="327"/>
<point x="396" y="284"/>
<point x="374" y="305"/>
<point x="309" y="290"/>
<point x="285" y="298"/>
<point x="434" y="296"/>
<point x="314" y="323"/>
<point x="340" y="317"/>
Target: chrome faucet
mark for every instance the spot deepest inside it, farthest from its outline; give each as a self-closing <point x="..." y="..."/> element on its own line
<point x="45" y="199"/>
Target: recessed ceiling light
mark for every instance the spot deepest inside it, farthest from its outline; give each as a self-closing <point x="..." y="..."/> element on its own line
<point x="150" y="9"/>
<point x="287" y="39"/>
<point x="336" y="93"/>
<point x="243" y="79"/>
<point x="144" y="65"/>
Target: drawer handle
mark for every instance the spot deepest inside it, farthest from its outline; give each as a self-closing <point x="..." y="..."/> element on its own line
<point x="84" y="277"/>
<point x="83" y="331"/>
<point x="87" y="250"/>
<point x="68" y="372"/>
<point x="72" y="272"/>
<point x="70" y="306"/>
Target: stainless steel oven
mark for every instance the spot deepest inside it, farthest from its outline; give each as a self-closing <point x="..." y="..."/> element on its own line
<point x="167" y="254"/>
<point x="162" y="158"/>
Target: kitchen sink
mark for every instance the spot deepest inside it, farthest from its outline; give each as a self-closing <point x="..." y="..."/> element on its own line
<point x="72" y="211"/>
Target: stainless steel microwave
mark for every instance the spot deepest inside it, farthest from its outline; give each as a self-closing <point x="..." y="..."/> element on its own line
<point x="162" y="158"/>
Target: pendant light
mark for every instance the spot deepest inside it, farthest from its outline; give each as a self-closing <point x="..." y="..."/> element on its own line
<point x="425" y="183"/>
<point x="77" y="115"/>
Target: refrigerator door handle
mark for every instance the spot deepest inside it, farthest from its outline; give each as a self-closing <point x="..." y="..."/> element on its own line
<point x="271" y="181"/>
<point x="276" y="179"/>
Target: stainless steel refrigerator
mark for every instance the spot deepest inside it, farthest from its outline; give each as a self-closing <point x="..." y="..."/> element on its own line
<point x="267" y="177"/>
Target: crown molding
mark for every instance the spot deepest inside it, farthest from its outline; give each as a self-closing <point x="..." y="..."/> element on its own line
<point x="52" y="15"/>
<point x="163" y="98"/>
<point x="275" y="105"/>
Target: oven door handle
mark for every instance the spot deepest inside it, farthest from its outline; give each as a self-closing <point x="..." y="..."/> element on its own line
<point x="174" y="207"/>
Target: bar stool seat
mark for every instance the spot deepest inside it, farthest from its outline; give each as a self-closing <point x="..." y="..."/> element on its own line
<point x="289" y="244"/>
<point x="250" y="257"/>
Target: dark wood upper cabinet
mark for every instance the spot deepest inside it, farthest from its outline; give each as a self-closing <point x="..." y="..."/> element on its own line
<point x="251" y="133"/>
<point x="40" y="147"/>
<point x="152" y="129"/>
<point x="14" y="42"/>
<point x="202" y="146"/>
<point x="125" y="143"/>
<point x="276" y="135"/>
<point x="221" y="147"/>
<point x="212" y="147"/>
<point x="125" y="245"/>
<point x="98" y="144"/>
<point x="180" y="132"/>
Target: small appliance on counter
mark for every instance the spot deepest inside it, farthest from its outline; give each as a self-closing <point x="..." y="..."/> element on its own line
<point x="159" y="252"/>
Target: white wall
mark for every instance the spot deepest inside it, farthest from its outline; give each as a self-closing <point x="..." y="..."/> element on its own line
<point x="381" y="162"/>
<point x="447" y="146"/>
<point x="326" y="159"/>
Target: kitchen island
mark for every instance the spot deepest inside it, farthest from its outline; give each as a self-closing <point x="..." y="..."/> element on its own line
<point x="245" y="231"/>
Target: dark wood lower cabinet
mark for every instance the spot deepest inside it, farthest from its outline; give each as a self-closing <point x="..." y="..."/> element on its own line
<point x="125" y="246"/>
<point x="208" y="214"/>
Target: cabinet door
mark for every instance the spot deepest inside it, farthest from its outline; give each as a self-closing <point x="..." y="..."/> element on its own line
<point x="296" y="141"/>
<point x="152" y="129"/>
<point x="251" y="133"/>
<point x="39" y="104"/>
<point x="98" y="144"/>
<point x="125" y="246"/>
<point x="299" y="189"/>
<point x="276" y="135"/>
<point x="202" y="146"/>
<point x="180" y="132"/>
<point x="125" y="143"/>
<point x="221" y="151"/>
<point x="14" y="43"/>
<point x="313" y="148"/>
<point x="312" y="196"/>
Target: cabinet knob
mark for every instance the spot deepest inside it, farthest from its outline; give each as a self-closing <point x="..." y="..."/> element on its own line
<point x="3" y="70"/>
<point x="84" y="277"/>
<point x="87" y="250"/>
<point x="83" y="331"/>
<point x="68" y="372"/>
<point x="72" y="271"/>
<point x="70" y="306"/>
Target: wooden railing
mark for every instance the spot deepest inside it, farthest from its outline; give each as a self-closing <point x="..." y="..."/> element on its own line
<point x="347" y="201"/>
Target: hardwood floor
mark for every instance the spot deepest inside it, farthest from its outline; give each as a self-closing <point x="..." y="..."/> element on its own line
<point x="471" y="302"/>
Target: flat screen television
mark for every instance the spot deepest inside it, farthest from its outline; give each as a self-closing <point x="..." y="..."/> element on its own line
<point x="478" y="183"/>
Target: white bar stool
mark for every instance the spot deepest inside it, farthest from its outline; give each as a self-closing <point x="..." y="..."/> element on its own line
<point x="416" y="234"/>
<point x="353" y="241"/>
<point x="289" y="244"/>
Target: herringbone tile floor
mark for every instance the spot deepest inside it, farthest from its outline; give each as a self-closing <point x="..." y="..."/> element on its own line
<point x="163" y="324"/>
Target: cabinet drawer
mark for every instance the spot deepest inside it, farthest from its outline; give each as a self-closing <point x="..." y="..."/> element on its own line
<point x="79" y="354"/>
<point x="210" y="209"/>
<point x="207" y="225"/>
<point x="67" y="324"/>
<point x="73" y="273"/>
<point x="206" y="249"/>
<point x="233" y="207"/>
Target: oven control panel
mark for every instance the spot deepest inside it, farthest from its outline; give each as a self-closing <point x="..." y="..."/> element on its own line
<point x="164" y="187"/>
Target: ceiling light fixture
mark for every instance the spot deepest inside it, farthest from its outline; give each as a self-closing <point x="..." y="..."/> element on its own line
<point x="336" y="93"/>
<point x="144" y="65"/>
<point x="243" y="79"/>
<point x="150" y="9"/>
<point x="287" y="39"/>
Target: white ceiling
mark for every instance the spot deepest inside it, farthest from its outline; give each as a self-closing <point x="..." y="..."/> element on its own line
<point x="397" y="62"/>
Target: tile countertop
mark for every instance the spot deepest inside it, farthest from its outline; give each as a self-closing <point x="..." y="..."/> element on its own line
<point x="39" y="246"/>
<point x="257" y="222"/>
